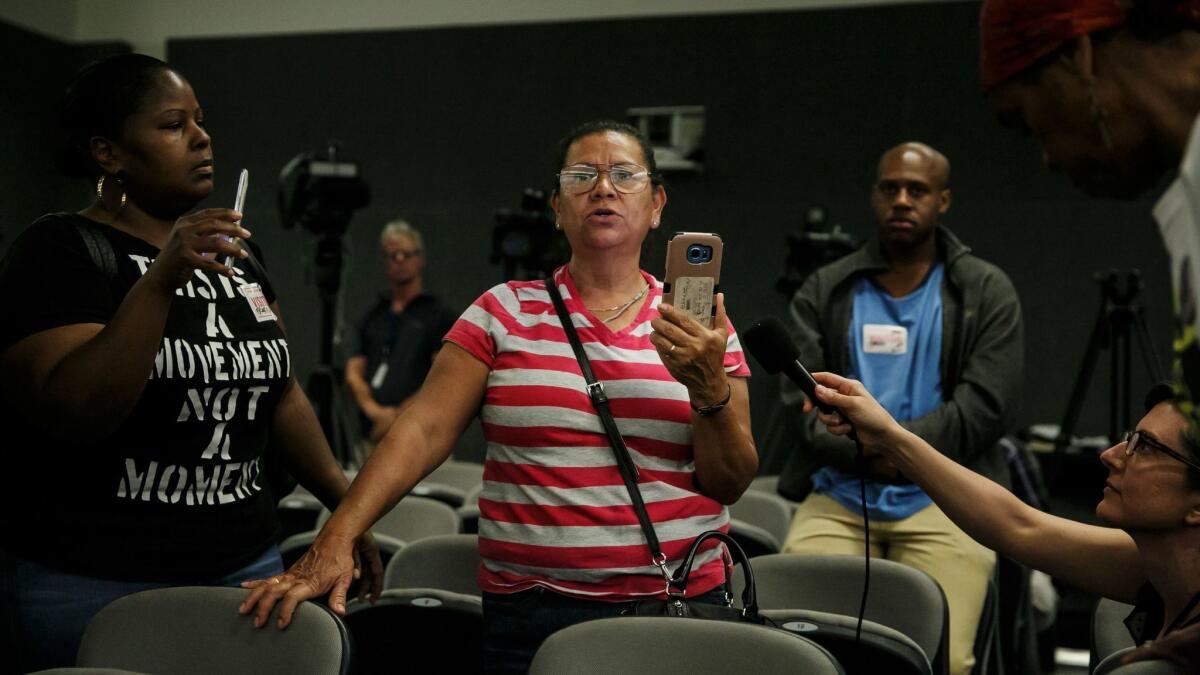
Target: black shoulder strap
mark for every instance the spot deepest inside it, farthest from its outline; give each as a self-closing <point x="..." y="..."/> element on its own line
<point x="625" y="465"/>
<point x="98" y="246"/>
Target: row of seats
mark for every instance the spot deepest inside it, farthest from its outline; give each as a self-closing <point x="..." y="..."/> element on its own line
<point x="446" y="502"/>
<point x="435" y="623"/>
<point x="196" y="630"/>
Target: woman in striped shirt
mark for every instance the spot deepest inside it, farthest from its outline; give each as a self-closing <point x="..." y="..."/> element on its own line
<point x="559" y="539"/>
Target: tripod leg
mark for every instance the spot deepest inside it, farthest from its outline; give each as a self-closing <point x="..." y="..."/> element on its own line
<point x="1126" y="338"/>
<point x="1114" y="384"/>
<point x="1146" y="346"/>
<point x="1082" y="381"/>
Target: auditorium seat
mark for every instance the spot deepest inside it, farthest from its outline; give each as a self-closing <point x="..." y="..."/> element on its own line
<point x="412" y="519"/>
<point x="294" y="546"/>
<point x="450" y="482"/>
<point x="1111" y="665"/>
<point x="760" y="522"/>
<point x="420" y="630"/>
<point x="768" y="485"/>
<point x="879" y="650"/>
<point x="670" y="646"/>
<point x="197" y="630"/>
<point x="901" y="598"/>
<point x="768" y="511"/>
<point x="297" y="512"/>
<point x="755" y="541"/>
<point x="1109" y="634"/>
<point x="448" y="562"/>
<point x="469" y="511"/>
<point x="988" y="660"/>
<point x="85" y="671"/>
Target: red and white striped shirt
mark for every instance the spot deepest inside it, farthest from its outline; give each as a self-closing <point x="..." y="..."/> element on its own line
<point x="554" y="511"/>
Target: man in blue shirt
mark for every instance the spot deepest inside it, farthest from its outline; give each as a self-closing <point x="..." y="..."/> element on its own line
<point x="935" y="334"/>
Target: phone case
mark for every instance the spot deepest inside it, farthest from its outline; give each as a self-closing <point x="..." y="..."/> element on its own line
<point x="692" y="285"/>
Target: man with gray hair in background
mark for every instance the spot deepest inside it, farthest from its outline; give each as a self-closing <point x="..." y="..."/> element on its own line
<point x="398" y="337"/>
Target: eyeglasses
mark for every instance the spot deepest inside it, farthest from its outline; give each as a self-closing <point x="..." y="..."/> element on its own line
<point x="626" y="178"/>
<point x="401" y="255"/>
<point x="1136" y="441"/>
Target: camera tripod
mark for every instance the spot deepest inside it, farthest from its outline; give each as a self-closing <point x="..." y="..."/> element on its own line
<point x="1119" y="321"/>
<point x="325" y="382"/>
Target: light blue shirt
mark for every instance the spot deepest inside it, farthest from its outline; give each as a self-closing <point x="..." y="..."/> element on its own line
<point x="896" y="351"/>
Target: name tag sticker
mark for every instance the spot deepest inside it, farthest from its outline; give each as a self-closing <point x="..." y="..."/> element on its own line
<point x="884" y="339"/>
<point x="258" y="302"/>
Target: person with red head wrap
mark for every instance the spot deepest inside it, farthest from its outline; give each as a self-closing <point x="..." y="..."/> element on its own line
<point x="1111" y="90"/>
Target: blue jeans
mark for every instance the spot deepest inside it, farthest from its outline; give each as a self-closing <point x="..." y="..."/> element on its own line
<point x="48" y="609"/>
<point x="515" y="625"/>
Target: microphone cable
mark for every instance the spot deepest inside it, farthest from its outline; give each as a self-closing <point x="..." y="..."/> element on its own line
<point x="862" y="487"/>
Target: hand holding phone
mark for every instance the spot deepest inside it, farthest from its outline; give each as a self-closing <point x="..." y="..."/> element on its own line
<point x="693" y="275"/>
<point x="238" y="202"/>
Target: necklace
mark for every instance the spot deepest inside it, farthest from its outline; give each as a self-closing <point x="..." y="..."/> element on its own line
<point x="620" y="309"/>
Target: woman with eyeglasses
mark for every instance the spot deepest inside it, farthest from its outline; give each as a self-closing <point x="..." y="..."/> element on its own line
<point x="559" y="540"/>
<point x="1150" y="557"/>
<point x="144" y="374"/>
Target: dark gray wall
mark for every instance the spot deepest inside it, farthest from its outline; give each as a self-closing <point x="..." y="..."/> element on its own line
<point x="33" y="71"/>
<point x="451" y="124"/>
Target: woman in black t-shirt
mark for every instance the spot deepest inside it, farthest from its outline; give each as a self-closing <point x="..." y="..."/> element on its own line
<point x="144" y="370"/>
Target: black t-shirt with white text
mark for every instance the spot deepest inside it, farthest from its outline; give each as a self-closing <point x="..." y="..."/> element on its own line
<point x="177" y="491"/>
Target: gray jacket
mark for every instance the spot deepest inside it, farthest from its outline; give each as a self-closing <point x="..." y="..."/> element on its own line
<point x="982" y="361"/>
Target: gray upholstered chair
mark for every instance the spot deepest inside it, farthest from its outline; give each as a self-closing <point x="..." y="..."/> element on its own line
<point x="760" y="522"/>
<point x="412" y="519"/>
<point x="1109" y="634"/>
<point x="770" y="512"/>
<point x="1111" y="665"/>
<point x="901" y="597"/>
<point x="672" y="646"/>
<point x="451" y="482"/>
<point x="447" y="562"/>
<point x="293" y="547"/>
<point x="85" y="671"/>
<point x="767" y="484"/>
<point x="878" y="650"/>
<point x="469" y="511"/>
<point x="421" y="630"/>
<point x="197" y="630"/>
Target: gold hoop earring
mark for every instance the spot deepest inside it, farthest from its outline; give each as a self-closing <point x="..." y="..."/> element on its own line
<point x="100" y="191"/>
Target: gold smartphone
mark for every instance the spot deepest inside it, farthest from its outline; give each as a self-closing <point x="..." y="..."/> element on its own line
<point x="693" y="275"/>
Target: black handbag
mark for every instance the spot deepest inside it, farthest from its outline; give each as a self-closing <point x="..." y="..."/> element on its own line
<point x="675" y="583"/>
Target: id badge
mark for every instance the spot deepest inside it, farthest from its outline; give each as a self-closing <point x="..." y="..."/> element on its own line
<point x="258" y="302"/>
<point x="884" y="339"/>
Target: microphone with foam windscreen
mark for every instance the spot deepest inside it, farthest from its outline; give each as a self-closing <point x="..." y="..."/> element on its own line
<point x="768" y="341"/>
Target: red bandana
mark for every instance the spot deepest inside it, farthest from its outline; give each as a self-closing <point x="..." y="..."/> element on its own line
<point x="1015" y="34"/>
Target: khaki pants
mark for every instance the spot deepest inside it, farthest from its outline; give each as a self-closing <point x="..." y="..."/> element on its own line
<point x="926" y="540"/>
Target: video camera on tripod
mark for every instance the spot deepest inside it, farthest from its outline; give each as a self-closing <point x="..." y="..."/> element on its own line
<point x="812" y="247"/>
<point x="1120" y="321"/>
<point x="320" y="193"/>
<point x="525" y="241"/>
